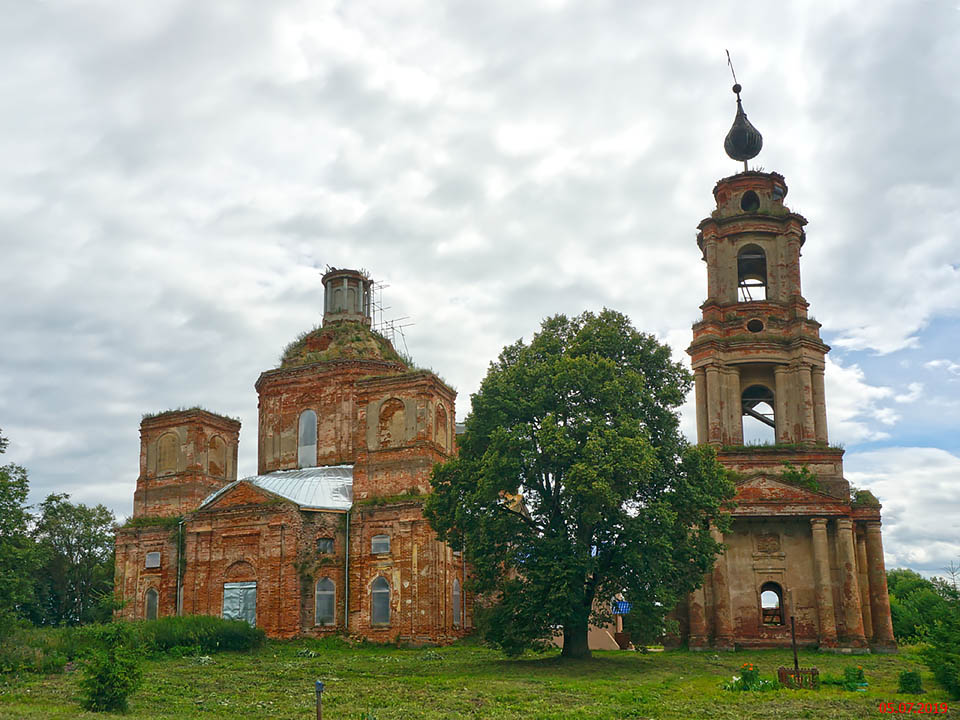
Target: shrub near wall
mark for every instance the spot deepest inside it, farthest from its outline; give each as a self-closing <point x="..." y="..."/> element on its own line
<point x="200" y="632"/>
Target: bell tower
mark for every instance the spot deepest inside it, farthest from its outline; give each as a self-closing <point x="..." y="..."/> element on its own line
<point x="799" y="547"/>
<point x="756" y="354"/>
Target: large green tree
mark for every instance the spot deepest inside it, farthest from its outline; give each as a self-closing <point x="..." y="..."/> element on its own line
<point x="573" y="484"/>
<point x="17" y="550"/>
<point x="75" y="573"/>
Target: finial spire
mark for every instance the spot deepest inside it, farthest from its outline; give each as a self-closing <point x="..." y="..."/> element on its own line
<point x="744" y="141"/>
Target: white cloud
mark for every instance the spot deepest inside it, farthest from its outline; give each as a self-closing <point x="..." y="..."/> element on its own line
<point x="914" y="393"/>
<point x="921" y="507"/>
<point x="176" y="179"/>
<point x="854" y="407"/>
<point x="948" y="365"/>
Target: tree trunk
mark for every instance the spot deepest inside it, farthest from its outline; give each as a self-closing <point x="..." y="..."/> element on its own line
<point x="575" y="642"/>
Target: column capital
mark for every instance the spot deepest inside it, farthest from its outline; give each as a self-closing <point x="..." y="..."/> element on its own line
<point x="818" y="369"/>
<point x="818" y="522"/>
<point x="844" y="523"/>
<point x="873" y="526"/>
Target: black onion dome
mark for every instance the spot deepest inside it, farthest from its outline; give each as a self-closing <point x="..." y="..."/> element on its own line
<point x="744" y="141"/>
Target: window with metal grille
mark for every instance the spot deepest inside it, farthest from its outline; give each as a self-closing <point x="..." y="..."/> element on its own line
<point x="307" y="439"/>
<point x="380" y="544"/>
<point x="326" y="592"/>
<point x="325" y="545"/>
<point x="380" y="602"/>
<point x="153" y="600"/>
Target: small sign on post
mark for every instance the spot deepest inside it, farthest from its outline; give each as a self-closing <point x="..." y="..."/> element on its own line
<point x="319" y="691"/>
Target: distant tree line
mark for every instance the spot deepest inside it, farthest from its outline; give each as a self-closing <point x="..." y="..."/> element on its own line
<point x="56" y="560"/>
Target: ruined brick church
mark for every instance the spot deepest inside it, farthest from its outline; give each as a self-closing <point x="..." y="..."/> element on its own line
<point x="329" y="535"/>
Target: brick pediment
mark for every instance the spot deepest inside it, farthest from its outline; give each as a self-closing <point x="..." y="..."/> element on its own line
<point x="765" y="495"/>
<point x="241" y="493"/>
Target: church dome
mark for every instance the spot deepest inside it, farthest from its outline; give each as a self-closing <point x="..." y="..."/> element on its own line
<point x="343" y="340"/>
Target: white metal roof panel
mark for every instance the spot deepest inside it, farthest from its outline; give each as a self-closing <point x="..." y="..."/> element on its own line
<point x="316" y="488"/>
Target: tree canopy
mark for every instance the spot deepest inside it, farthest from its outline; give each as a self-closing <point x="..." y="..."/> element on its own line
<point x="574" y="485"/>
<point x="55" y="567"/>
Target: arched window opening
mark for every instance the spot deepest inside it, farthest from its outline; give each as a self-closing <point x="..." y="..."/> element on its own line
<point x="759" y="421"/>
<point x="752" y="273"/>
<point x="167" y="454"/>
<point x="217" y="457"/>
<point x="456" y="603"/>
<point x="380" y="602"/>
<point x="153" y="601"/>
<point x="771" y="604"/>
<point x="325" y="602"/>
<point x="380" y="544"/>
<point x="307" y="440"/>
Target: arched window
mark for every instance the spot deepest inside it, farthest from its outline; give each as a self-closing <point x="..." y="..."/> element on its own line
<point x="771" y="604"/>
<point x="217" y="457"/>
<point x="759" y="421"/>
<point x="325" y="603"/>
<point x="380" y="602"/>
<point x="391" y="428"/>
<point x="456" y="603"/>
<point x="153" y="600"/>
<point x="167" y="454"/>
<point x="380" y="544"/>
<point x="307" y="440"/>
<point x="752" y="273"/>
<point x="440" y="429"/>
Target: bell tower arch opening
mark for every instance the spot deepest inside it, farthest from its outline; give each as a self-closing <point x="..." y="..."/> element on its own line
<point x="759" y="415"/>
<point x="751" y="273"/>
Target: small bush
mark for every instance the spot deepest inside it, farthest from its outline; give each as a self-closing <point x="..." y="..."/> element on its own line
<point x="110" y="673"/>
<point x="749" y="679"/>
<point x="910" y="682"/>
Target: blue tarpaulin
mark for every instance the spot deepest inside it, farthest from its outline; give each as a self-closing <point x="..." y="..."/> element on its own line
<point x="621" y="607"/>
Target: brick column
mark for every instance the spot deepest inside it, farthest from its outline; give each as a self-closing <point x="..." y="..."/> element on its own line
<point x="715" y="418"/>
<point x="733" y="415"/>
<point x="808" y="429"/>
<point x="819" y="405"/>
<point x="698" y="620"/>
<point x="700" y="395"/>
<point x="781" y="409"/>
<point x="879" y="599"/>
<point x="824" y="589"/>
<point x="722" y="617"/>
<point x="713" y="272"/>
<point x="864" y="583"/>
<point x="850" y="592"/>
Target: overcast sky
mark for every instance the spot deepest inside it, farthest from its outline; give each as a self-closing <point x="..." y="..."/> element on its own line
<point x="176" y="175"/>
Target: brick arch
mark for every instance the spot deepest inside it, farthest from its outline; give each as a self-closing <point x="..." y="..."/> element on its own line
<point x="391" y="426"/>
<point x="240" y="571"/>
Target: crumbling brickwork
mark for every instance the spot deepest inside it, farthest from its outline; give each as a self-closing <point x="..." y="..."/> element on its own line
<point x="341" y="397"/>
<point x="800" y="540"/>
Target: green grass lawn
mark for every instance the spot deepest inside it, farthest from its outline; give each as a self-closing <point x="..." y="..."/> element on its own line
<point x="467" y="681"/>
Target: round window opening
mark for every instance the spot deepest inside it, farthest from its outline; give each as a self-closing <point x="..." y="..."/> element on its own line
<point x="755" y="325"/>
<point x="749" y="202"/>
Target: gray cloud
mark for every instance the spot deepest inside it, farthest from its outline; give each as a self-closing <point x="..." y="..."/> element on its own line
<point x="177" y="176"/>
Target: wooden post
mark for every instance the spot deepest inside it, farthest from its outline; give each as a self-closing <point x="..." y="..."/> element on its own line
<point x="319" y="691"/>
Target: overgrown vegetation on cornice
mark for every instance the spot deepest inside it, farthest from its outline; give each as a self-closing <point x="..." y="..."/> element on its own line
<point x="194" y="408"/>
<point x="412" y="494"/>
